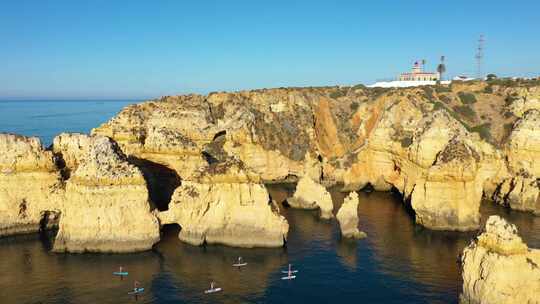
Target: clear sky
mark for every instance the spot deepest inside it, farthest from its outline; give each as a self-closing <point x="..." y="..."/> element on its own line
<point x="139" y="49"/>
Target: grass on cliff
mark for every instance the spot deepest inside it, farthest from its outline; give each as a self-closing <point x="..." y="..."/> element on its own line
<point x="484" y="130"/>
<point x="466" y="111"/>
<point x="467" y="98"/>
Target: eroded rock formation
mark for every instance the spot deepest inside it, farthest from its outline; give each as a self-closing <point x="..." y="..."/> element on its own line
<point x="498" y="267"/>
<point x="225" y="204"/>
<point x="311" y="195"/>
<point x="420" y="141"/>
<point x="444" y="148"/>
<point x="347" y="217"/>
<point x="106" y="199"/>
<point x="30" y="185"/>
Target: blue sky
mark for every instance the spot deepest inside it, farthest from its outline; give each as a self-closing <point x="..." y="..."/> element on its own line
<point x="139" y="49"/>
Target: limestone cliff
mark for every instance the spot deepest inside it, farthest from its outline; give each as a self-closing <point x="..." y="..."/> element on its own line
<point x="225" y="204"/>
<point x="106" y="199"/>
<point x="348" y="217"/>
<point x="498" y="267"/>
<point x="30" y="184"/>
<point x="386" y="138"/>
<point x="444" y="148"/>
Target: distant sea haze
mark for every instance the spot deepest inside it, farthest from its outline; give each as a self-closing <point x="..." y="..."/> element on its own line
<point x="48" y="118"/>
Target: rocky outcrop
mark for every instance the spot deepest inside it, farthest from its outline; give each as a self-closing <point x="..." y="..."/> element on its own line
<point x="30" y="184"/>
<point x="498" y="267"/>
<point x="311" y="195"/>
<point x="107" y="207"/>
<point x="523" y="148"/>
<point x="519" y="193"/>
<point x="224" y="204"/>
<point x="347" y="217"/>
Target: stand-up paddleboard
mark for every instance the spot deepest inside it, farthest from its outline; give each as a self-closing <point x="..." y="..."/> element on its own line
<point x="239" y="264"/>
<point x="288" y="277"/>
<point x="120" y="273"/>
<point x="213" y="290"/>
<point x="136" y="291"/>
<point x="292" y="271"/>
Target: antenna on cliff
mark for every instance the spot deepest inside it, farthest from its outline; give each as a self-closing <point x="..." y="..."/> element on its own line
<point x="479" y="56"/>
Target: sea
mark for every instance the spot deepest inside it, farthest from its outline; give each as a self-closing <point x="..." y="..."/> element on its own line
<point x="398" y="262"/>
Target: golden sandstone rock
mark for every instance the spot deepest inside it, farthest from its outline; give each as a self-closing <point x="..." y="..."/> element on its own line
<point x="29" y="185"/>
<point x="311" y="195"/>
<point x="499" y="268"/>
<point x="347" y="217"/>
<point x="227" y="206"/>
<point x="106" y="200"/>
<point x="442" y="153"/>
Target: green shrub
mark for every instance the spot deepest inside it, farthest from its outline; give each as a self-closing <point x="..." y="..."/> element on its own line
<point x="446" y="99"/>
<point x="510" y="99"/>
<point x="491" y="77"/>
<point x="467" y="98"/>
<point x="488" y="89"/>
<point x="429" y="93"/>
<point x="406" y="141"/>
<point x="466" y="111"/>
<point x="338" y="93"/>
<point x="442" y="89"/>
<point x="358" y="87"/>
<point x="483" y="130"/>
<point x="354" y="106"/>
<point x="438" y="105"/>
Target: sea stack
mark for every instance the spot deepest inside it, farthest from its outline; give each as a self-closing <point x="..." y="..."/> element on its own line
<point x="498" y="267"/>
<point x="312" y="195"/>
<point x="107" y="207"/>
<point x="347" y="217"/>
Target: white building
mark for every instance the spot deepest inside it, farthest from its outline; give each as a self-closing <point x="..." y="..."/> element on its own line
<point x="417" y="74"/>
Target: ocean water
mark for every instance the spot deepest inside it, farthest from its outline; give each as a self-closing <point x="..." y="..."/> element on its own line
<point x="399" y="262"/>
<point x="48" y="118"/>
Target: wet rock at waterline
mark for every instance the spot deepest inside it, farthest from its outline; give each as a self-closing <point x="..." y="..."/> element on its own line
<point x="347" y="217"/>
<point x="498" y="267"/>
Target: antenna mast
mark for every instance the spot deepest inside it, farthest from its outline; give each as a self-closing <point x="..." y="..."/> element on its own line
<point x="479" y="56"/>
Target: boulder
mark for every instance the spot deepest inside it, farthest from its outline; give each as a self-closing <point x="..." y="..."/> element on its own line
<point x="498" y="267"/>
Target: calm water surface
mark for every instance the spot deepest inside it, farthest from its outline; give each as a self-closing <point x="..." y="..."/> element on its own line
<point x="399" y="262"/>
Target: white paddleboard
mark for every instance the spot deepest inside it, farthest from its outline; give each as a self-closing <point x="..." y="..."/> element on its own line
<point x="139" y="290"/>
<point x="292" y="271"/>
<point x="218" y="289"/>
<point x="239" y="264"/>
<point x="288" y="278"/>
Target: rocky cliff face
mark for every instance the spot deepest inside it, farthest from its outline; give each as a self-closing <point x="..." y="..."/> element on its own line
<point x="441" y="147"/>
<point x="498" y="267"/>
<point x="30" y="185"/>
<point x="444" y="148"/>
<point x="107" y="207"/>
<point x="224" y="204"/>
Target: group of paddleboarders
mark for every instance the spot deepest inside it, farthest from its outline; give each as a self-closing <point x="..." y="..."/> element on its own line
<point x="239" y="263"/>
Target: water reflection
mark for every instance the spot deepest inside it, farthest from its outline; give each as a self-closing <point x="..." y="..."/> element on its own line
<point x="399" y="262"/>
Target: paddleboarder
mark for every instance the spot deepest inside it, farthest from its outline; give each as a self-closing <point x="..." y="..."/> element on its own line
<point x="136" y="289"/>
